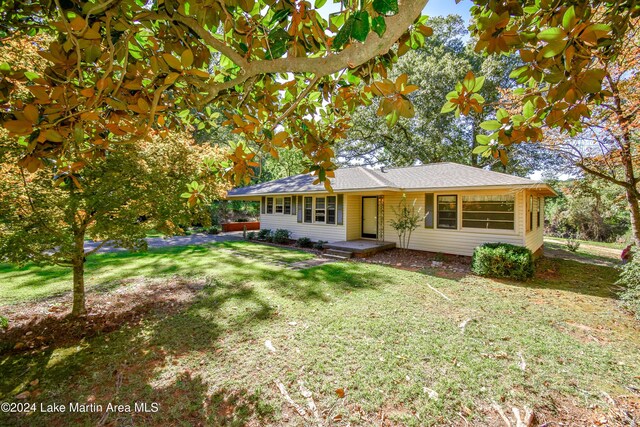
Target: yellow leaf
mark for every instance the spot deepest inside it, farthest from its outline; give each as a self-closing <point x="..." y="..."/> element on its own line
<point x="187" y="58"/>
<point x="53" y="135"/>
<point x="171" y="78"/>
<point x="172" y="61"/>
<point x="78" y="23"/>
<point x="143" y="105"/>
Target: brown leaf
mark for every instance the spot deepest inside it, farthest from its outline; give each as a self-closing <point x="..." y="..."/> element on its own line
<point x="340" y="392"/>
<point x="24" y="395"/>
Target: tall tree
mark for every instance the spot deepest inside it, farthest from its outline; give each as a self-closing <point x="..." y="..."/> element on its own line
<point x="46" y="216"/>
<point x="430" y="136"/>
<point x="608" y="146"/>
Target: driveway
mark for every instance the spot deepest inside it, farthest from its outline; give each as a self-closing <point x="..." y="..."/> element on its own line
<point x="164" y="242"/>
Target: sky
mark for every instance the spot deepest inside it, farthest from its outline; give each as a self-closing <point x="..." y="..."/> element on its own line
<point x="433" y="8"/>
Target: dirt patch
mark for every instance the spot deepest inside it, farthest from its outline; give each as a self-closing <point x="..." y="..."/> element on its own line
<point x="45" y="323"/>
<point x="449" y="266"/>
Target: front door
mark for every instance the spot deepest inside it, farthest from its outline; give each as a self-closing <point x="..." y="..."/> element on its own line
<point x="370" y="217"/>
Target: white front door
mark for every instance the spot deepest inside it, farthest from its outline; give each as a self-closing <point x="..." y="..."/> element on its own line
<point x="370" y="217"/>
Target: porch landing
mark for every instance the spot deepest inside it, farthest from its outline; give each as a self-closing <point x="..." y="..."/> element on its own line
<point x="360" y="248"/>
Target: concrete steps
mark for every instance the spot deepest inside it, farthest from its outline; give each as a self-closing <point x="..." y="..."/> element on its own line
<point x="338" y="254"/>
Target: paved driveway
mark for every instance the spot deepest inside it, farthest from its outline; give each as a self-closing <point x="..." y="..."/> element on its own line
<point x="161" y="242"/>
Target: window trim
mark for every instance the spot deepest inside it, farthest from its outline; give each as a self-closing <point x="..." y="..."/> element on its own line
<point x="279" y="205"/>
<point x="539" y="211"/>
<point x="335" y="210"/>
<point x="504" y="230"/>
<point x="530" y="212"/>
<point x="457" y="212"/>
<point x="304" y="212"/>
<point x="284" y="205"/>
<point x="323" y="210"/>
<point x="269" y="205"/>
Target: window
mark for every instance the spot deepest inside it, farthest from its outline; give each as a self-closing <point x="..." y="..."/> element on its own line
<point x="530" y="213"/>
<point x="448" y="212"/>
<point x="320" y="209"/>
<point x="331" y="210"/>
<point x="308" y="209"/>
<point x="539" y="209"/>
<point x="428" y="210"/>
<point x="287" y="205"/>
<point x="489" y="212"/>
<point x="269" y="205"/>
<point x="279" y="205"/>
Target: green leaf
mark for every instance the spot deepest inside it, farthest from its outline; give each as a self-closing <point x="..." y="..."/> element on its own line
<point x="553" y="49"/>
<point x="480" y="149"/>
<point x="319" y="3"/>
<point x="479" y="83"/>
<point x="278" y="43"/>
<point x="361" y="28"/>
<point x="379" y="25"/>
<point x="528" y="110"/>
<point x="568" y="20"/>
<point x="551" y="34"/>
<point x="491" y="125"/>
<point x="343" y="34"/>
<point x="483" y="139"/>
<point x="448" y="107"/>
<point x="385" y="7"/>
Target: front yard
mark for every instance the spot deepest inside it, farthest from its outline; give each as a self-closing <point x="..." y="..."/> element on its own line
<point x="225" y="335"/>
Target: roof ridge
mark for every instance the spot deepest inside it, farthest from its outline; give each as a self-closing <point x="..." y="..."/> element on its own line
<point x="381" y="180"/>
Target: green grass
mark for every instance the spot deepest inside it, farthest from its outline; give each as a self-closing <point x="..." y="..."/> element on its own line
<point x="19" y="284"/>
<point x="611" y="245"/>
<point x="586" y="253"/>
<point x="381" y="334"/>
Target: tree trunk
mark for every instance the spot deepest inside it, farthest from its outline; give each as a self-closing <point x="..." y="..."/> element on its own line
<point x="79" y="308"/>
<point x="635" y="215"/>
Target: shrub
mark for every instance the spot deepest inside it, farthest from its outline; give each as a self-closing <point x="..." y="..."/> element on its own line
<point x="503" y="260"/>
<point x="319" y="245"/>
<point x="572" y="244"/>
<point x="252" y="235"/>
<point x="264" y="234"/>
<point x="242" y="220"/>
<point x="630" y="282"/>
<point x="214" y="229"/>
<point x="281" y="236"/>
<point x="304" y="242"/>
<point x="4" y="322"/>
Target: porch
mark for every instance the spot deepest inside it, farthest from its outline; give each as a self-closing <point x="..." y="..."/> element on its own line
<point x="359" y="248"/>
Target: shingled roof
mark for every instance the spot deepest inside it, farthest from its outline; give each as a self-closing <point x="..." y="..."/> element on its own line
<point x="433" y="176"/>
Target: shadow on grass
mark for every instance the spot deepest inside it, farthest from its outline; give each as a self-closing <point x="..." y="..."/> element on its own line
<point x="571" y="276"/>
<point x="123" y="365"/>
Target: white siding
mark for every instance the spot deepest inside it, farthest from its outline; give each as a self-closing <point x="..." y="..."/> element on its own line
<point x="353" y="216"/>
<point x="534" y="239"/>
<point x="461" y="241"/>
<point x="326" y="232"/>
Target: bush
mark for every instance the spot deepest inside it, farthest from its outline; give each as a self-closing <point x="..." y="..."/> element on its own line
<point x="214" y="229"/>
<point x="503" y="260"/>
<point x="4" y="322"/>
<point x="304" y="242"/>
<point x="281" y="236"/>
<point x="264" y="234"/>
<point x="252" y="235"/>
<point x="242" y="220"/>
<point x="319" y="245"/>
<point x="572" y="244"/>
<point x="630" y="282"/>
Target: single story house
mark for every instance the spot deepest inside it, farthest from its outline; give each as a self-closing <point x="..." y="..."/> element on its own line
<point x="463" y="206"/>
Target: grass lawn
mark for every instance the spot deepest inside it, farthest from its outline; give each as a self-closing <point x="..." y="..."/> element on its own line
<point x="558" y="343"/>
<point x="586" y="252"/>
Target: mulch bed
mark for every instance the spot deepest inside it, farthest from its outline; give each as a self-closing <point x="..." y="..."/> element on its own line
<point x="407" y="259"/>
<point x="34" y="326"/>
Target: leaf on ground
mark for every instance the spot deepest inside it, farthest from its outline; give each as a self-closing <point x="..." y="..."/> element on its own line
<point x="340" y="392"/>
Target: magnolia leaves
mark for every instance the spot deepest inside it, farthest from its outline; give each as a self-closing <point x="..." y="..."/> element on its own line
<point x="360" y="23"/>
<point x="194" y="194"/>
<point x="465" y="97"/>
<point x="394" y="103"/>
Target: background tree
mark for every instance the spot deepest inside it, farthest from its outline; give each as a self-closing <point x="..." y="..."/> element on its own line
<point x="607" y="146"/>
<point x="588" y="208"/>
<point x="46" y="216"/>
<point x="430" y="136"/>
